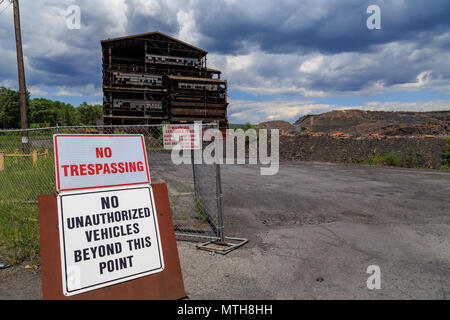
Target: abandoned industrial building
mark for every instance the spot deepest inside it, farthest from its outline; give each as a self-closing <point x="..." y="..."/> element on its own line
<point x="151" y="77"/>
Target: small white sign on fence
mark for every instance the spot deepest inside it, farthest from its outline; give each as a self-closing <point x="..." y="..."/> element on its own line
<point x="181" y="136"/>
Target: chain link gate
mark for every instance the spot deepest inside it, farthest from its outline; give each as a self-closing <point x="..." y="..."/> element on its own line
<point x="208" y="194"/>
<point x="194" y="190"/>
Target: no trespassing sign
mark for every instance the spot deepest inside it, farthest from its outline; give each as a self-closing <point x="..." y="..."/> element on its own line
<point x="86" y="161"/>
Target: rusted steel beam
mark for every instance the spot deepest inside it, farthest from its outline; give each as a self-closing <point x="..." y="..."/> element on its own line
<point x="197" y="112"/>
<point x="196" y="79"/>
<point x="199" y="105"/>
<point x="133" y="117"/>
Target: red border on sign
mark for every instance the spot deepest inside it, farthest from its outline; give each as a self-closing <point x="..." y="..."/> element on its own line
<point x="99" y="135"/>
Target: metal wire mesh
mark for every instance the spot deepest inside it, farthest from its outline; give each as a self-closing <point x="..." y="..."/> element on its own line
<point x="192" y="189"/>
<point x="208" y="194"/>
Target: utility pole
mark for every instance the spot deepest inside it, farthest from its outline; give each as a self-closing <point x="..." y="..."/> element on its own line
<point x="21" y="74"/>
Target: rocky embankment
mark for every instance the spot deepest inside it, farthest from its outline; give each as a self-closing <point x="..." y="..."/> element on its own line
<point x="415" y="139"/>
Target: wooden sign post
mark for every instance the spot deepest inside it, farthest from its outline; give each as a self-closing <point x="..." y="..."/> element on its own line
<point x="165" y="285"/>
<point x="108" y="233"/>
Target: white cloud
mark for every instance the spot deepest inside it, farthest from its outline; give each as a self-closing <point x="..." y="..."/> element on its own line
<point x="311" y="66"/>
<point x="8" y="83"/>
<point x="93" y="103"/>
<point x="391" y="67"/>
<point x="187" y="28"/>
<point x="36" y="91"/>
<point x="79" y="91"/>
<point x="241" y="111"/>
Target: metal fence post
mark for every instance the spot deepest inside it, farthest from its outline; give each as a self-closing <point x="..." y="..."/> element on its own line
<point x="194" y="178"/>
<point x="219" y="196"/>
<point x="220" y="227"/>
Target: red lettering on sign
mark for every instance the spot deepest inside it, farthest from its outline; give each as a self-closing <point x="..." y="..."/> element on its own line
<point x="82" y="169"/>
<point x="73" y="170"/>
<point x="65" y="166"/>
<point x="100" y="152"/>
<point x="92" y="169"/>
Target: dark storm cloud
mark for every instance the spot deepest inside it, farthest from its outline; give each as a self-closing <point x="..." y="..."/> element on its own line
<point x="325" y="26"/>
<point x="285" y="47"/>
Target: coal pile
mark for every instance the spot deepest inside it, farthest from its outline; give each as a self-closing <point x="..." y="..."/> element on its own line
<point x="353" y="136"/>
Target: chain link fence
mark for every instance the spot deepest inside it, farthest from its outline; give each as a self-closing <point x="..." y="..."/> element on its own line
<point x="208" y="193"/>
<point x="194" y="190"/>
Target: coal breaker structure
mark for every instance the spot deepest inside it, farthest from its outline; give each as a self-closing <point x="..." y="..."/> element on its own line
<point x="151" y="77"/>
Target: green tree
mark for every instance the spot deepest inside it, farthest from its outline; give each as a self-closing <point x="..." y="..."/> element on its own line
<point x="10" y="108"/>
<point x="67" y="114"/>
<point x="89" y="114"/>
<point x="43" y="113"/>
<point x="248" y="125"/>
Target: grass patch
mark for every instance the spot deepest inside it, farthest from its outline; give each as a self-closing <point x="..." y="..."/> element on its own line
<point x="200" y="209"/>
<point x="21" y="182"/>
<point x="410" y="159"/>
<point x="19" y="233"/>
<point x="20" y="186"/>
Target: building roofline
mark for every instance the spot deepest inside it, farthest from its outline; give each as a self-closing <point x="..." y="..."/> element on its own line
<point x="139" y="35"/>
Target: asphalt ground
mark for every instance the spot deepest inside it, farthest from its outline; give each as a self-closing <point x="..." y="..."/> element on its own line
<point x="313" y="230"/>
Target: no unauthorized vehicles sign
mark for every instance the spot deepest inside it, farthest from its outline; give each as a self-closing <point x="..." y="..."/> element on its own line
<point x="107" y="236"/>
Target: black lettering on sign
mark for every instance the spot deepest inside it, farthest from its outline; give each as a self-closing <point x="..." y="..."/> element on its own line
<point x="139" y="243"/>
<point x="116" y="264"/>
<point x="108" y="202"/>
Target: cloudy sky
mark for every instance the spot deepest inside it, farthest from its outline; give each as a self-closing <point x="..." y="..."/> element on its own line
<point x="282" y="58"/>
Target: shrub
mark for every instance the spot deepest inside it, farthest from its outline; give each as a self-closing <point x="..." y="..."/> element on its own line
<point x="378" y="159"/>
<point x="391" y="159"/>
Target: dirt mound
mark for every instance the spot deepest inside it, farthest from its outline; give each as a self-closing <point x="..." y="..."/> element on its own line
<point x="277" y="124"/>
<point x="409" y="151"/>
<point x="412" y="139"/>
<point x="364" y="123"/>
